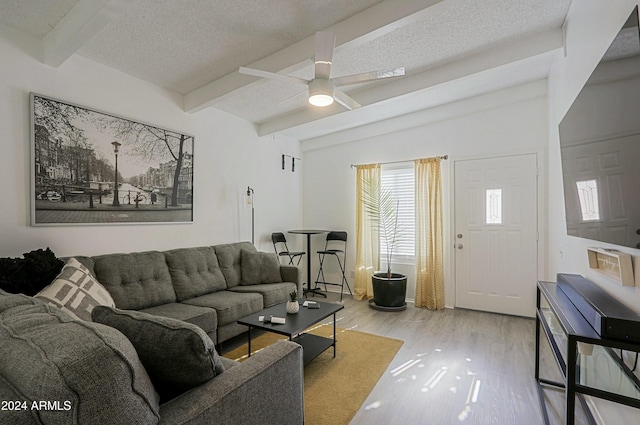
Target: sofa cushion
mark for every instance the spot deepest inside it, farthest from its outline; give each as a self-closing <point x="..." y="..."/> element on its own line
<point x="230" y="260"/>
<point x="75" y="291"/>
<point x="203" y="317"/>
<point x="272" y="293"/>
<point x="137" y="280"/>
<point x="230" y="306"/>
<point x="177" y="355"/>
<point x="84" y="260"/>
<point x="47" y="355"/>
<point x="194" y="271"/>
<point x="259" y="267"/>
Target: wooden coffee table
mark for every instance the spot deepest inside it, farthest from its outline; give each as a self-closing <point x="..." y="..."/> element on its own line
<point x="295" y="326"/>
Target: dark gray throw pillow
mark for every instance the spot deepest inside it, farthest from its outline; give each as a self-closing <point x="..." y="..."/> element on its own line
<point x="260" y="267"/>
<point x="177" y="355"/>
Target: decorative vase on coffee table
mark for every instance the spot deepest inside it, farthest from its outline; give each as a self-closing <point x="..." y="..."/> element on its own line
<point x="293" y="307"/>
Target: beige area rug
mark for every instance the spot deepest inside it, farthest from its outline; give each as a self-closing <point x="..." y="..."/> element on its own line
<point x="334" y="389"/>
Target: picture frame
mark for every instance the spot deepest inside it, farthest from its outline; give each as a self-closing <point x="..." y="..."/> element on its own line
<point x="97" y="168"/>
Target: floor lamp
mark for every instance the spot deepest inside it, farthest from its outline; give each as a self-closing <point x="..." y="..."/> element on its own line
<point x="250" y="203"/>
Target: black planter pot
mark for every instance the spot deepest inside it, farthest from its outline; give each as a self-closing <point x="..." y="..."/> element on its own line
<point x="389" y="293"/>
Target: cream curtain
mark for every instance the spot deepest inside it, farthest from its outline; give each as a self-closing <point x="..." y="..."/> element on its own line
<point x="367" y="239"/>
<point x="429" y="239"/>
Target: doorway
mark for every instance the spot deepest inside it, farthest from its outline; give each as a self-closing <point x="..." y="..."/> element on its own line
<point x="496" y="234"/>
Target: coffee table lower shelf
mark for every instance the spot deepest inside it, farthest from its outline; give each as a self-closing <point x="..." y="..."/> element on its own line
<point x="313" y="346"/>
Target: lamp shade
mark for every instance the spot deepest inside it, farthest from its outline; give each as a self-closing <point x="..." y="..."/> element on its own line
<point x="321" y="92"/>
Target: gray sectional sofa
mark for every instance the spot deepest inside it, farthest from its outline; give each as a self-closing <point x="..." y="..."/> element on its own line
<point x="151" y="358"/>
<point x="211" y="286"/>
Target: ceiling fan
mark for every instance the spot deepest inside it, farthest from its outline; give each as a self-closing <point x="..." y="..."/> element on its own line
<point x="322" y="88"/>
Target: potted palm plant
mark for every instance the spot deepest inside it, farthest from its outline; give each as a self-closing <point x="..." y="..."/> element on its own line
<point x="381" y="207"/>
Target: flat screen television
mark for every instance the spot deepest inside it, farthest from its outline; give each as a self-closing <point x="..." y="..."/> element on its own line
<point x="600" y="147"/>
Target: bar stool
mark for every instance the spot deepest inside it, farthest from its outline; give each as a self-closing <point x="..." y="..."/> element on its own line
<point x="279" y="241"/>
<point x="335" y="245"/>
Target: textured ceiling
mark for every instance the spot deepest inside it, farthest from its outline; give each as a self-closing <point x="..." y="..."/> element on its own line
<point x="34" y="18"/>
<point x="195" y="48"/>
<point x="195" y="42"/>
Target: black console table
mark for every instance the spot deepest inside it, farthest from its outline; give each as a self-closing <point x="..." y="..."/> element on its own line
<point x="577" y="347"/>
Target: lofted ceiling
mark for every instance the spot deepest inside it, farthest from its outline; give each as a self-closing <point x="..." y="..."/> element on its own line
<point x="451" y="49"/>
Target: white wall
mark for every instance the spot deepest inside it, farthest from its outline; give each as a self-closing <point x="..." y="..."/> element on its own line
<point x="228" y="157"/>
<point x="506" y="122"/>
<point x="590" y="28"/>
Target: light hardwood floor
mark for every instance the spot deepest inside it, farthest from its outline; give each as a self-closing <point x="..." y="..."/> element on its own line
<point x="462" y="367"/>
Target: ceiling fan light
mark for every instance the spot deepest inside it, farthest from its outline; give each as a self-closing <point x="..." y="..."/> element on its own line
<point x="320" y="100"/>
<point x="320" y="92"/>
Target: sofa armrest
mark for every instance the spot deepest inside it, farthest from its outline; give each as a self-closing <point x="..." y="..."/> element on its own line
<point x="266" y="388"/>
<point x="292" y="274"/>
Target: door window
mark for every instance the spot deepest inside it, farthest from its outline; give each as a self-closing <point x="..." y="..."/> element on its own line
<point x="494" y="206"/>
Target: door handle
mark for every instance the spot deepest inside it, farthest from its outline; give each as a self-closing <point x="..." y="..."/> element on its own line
<point x="459" y="246"/>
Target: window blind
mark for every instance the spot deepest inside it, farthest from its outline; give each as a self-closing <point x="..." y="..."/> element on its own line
<point x="400" y="181"/>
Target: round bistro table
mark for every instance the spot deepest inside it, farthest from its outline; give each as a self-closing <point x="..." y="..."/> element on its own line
<point x="309" y="233"/>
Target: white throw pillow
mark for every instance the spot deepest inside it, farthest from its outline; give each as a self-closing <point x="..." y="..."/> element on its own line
<point x="76" y="291"/>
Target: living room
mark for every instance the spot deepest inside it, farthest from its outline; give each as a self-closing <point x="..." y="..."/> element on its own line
<point x="320" y="191"/>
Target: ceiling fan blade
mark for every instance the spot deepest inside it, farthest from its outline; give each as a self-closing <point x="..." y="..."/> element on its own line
<point x="368" y="76"/>
<point x="345" y="100"/>
<point x="272" y="75"/>
<point x="291" y="97"/>
<point x="325" y="43"/>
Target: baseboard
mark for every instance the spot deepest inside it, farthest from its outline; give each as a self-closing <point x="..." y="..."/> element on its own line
<point x="335" y="291"/>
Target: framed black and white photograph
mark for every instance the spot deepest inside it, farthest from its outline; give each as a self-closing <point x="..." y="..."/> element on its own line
<point x="93" y="167"/>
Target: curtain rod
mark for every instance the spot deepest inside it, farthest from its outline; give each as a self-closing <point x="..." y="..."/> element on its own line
<point x="444" y="157"/>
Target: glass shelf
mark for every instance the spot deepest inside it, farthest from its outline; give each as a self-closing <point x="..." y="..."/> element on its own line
<point x="559" y="335"/>
<point x="602" y="369"/>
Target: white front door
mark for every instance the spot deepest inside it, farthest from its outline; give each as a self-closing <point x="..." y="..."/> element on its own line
<point x="496" y="216"/>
